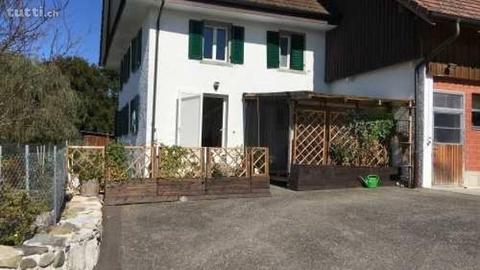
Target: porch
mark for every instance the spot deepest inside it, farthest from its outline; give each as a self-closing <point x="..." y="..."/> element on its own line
<point x="314" y="141"/>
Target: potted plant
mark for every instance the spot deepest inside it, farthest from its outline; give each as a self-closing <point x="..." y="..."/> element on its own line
<point x="90" y="177"/>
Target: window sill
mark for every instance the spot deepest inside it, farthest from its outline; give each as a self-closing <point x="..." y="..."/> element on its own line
<point x="286" y="70"/>
<point x="216" y="63"/>
<point x="475" y="128"/>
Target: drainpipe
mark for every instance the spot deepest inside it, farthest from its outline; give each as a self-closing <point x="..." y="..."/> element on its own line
<point x="425" y="60"/>
<point x="155" y="75"/>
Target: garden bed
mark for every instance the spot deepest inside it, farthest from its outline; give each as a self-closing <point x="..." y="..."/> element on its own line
<point x="168" y="190"/>
<point x="335" y="177"/>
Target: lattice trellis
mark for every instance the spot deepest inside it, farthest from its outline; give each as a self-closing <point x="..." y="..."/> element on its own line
<point x="180" y="162"/>
<point x="310" y="139"/>
<point x="227" y="162"/>
<point x="259" y="159"/>
<point x="340" y="133"/>
<point x="139" y="161"/>
<point x="86" y="158"/>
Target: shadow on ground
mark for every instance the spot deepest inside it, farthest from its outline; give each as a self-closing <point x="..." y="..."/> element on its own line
<point x="387" y="228"/>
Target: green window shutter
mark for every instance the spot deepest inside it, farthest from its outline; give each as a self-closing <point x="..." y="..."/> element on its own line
<point x="195" y="46"/>
<point x="238" y="45"/>
<point x="273" y="49"/>
<point x="134" y="55"/>
<point x="139" y="48"/>
<point x="297" y="52"/>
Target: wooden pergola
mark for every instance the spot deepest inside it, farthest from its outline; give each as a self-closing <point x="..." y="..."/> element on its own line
<point x="314" y="123"/>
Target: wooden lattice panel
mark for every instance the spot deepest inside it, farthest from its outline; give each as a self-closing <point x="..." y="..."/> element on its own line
<point x="259" y="159"/>
<point x="340" y="132"/>
<point x="85" y="158"/>
<point x="227" y="162"/>
<point x="139" y="160"/>
<point x="180" y="163"/>
<point x="310" y="137"/>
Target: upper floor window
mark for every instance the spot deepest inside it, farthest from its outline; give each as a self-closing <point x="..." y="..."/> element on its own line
<point x="476" y="111"/>
<point x="215" y="43"/>
<point x="285" y="50"/>
<point x="218" y="42"/>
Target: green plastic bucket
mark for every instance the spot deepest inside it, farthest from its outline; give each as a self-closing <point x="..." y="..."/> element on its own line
<point x="371" y="181"/>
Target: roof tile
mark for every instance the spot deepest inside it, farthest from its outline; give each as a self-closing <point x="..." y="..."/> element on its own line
<point x="467" y="9"/>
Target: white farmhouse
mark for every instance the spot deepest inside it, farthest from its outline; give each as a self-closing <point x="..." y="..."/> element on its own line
<point x="185" y="65"/>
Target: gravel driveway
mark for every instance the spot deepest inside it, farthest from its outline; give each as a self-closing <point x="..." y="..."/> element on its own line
<point x="388" y="228"/>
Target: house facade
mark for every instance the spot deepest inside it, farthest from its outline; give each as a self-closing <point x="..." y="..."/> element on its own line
<point x="425" y="50"/>
<point x="221" y="73"/>
<point x="196" y="59"/>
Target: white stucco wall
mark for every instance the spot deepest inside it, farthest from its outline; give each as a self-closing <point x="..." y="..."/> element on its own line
<point x="178" y="74"/>
<point x="425" y="127"/>
<point x="393" y="82"/>
<point x="140" y="82"/>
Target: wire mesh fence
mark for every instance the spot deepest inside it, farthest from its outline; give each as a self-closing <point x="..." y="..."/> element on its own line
<point x="40" y="171"/>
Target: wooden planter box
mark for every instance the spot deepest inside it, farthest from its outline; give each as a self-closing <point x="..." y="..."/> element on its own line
<point x="335" y="177"/>
<point x="133" y="191"/>
<point x="168" y="190"/>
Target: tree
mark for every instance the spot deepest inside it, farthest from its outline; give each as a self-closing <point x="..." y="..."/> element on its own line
<point x="97" y="90"/>
<point x="25" y="22"/>
<point x="37" y="104"/>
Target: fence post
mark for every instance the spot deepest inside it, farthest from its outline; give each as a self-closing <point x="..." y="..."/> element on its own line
<point x="1" y="179"/>
<point x="55" y="188"/>
<point x="27" y="169"/>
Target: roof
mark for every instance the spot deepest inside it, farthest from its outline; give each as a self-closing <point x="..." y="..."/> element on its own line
<point x="462" y="9"/>
<point x="297" y="6"/>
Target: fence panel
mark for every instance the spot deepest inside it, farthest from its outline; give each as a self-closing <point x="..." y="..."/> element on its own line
<point x="38" y="170"/>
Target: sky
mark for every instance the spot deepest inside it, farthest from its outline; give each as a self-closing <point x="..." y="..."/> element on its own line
<point x="83" y="18"/>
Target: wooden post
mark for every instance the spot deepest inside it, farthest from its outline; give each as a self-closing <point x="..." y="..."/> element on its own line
<point x="27" y="169"/>
<point x="249" y="166"/>
<point x="1" y="179"/>
<point x="267" y="161"/>
<point x="55" y="188"/>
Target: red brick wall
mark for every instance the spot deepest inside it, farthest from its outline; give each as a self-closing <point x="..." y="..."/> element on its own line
<point x="472" y="136"/>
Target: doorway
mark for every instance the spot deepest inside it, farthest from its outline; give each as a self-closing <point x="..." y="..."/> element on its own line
<point x="202" y="120"/>
<point x="212" y="119"/>
<point x="449" y="125"/>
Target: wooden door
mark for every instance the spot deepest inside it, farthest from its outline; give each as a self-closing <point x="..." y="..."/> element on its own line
<point x="449" y="125"/>
<point x="448" y="164"/>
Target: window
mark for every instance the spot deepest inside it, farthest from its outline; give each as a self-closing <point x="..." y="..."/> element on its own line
<point x="125" y="67"/>
<point x="136" y="51"/>
<point x="284" y="51"/>
<point x="218" y="42"/>
<point x="215" y="43"/>
<point x="476" y="111"/>
<point x="448" y="118"/>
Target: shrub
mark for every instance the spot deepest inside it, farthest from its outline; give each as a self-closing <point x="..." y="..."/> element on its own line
<point x="18" y="212"/>
<point x="116" y="161"/>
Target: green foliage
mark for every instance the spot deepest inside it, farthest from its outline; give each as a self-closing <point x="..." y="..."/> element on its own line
<point x="97" y="90"/>
<point x="344" y="155"/>
<point x="175" y="162"/>
<point x="373" y="127"/>
<point x="116" y="161"/>
<point x="368" y="130"/>
<point x="18" y="214"/>
<point x="91" y="170"/>
<point x="36" y="102"/>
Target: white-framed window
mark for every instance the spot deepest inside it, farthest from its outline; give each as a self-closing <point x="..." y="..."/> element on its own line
<point x="476" y="111"/>
<point x="285" y="47"/>
<point x="448" y="118"/>
<point x="215" y="43"/>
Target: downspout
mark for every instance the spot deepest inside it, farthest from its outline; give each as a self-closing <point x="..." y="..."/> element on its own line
<point x="155" y="74"/>
<point x="424" y="61"/>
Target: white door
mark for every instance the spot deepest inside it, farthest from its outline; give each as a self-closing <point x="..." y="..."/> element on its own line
<point x="190" y="124"/>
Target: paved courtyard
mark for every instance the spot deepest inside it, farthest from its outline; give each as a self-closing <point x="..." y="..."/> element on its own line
<point x="388" y="228"/>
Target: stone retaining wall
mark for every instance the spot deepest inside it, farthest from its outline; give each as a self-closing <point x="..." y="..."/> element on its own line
<point x="74" y="243"/>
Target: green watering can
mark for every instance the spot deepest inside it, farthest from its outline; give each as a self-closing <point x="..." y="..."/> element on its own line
<point x="371" y="181"/>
